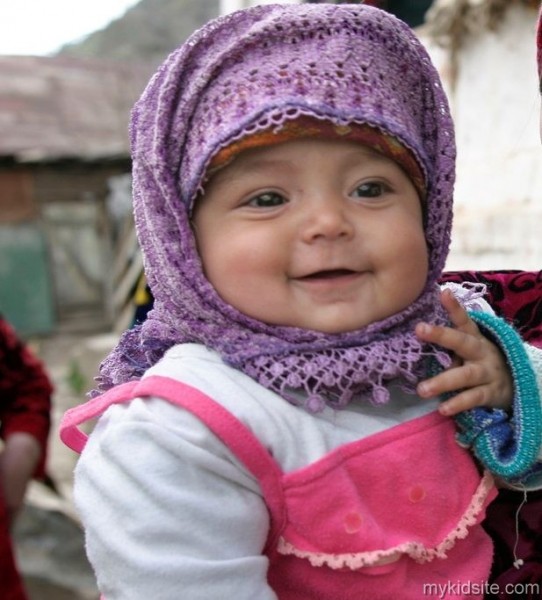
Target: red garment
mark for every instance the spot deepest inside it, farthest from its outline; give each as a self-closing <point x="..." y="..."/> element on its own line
<point x="25" y="404"/>
<point x="25" y="391"/>
<point x="515" y="295"/>
<point x="11" y="586"/>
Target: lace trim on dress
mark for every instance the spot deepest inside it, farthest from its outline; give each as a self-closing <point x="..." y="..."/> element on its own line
<point x="416" y="550"/>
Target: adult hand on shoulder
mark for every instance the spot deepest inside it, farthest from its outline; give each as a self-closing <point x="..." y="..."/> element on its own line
<point x="479" y="375"/>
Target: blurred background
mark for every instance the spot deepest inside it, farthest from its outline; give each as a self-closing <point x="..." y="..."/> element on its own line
<point x="69" y="261"/>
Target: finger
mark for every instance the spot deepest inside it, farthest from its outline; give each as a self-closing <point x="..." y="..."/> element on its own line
<point x="466" y="400"/>
<point x="470" y="375"/>
<point x="458" y="315"/>
<point x="465" y="346"/>
<point x="483" y="395"/>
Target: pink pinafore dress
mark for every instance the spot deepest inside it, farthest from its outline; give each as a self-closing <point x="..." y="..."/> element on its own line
<point x="394" y="515"/>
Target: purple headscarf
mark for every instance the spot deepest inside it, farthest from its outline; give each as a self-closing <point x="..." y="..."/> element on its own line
<point x="249" y="71"/>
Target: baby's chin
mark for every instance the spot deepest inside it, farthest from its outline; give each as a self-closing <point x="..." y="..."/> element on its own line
<point x="324" y="327"/>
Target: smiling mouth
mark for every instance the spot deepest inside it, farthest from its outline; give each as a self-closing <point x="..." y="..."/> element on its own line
<point x="329" y="274"/>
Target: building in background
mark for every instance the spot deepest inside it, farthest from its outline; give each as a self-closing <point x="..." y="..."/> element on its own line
<point x="64" y="145"/>
<point x="486" y="53"/>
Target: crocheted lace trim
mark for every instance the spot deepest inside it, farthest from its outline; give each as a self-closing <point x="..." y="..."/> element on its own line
<point x="416" y="550"/>
<point x="275" y="119"/>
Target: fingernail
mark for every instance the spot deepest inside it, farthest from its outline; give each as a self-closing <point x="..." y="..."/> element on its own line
<point x="444" y="410"/>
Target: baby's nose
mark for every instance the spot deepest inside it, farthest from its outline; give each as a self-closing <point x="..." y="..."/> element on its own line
<point x="327" y="220"/>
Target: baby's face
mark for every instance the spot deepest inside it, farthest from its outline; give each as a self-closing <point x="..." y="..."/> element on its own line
<point x="322" y="235"/>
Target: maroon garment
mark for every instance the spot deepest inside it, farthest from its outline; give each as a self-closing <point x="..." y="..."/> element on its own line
<point x="517" y="297"/>
<point x="25" y="391"/>
<point x="25" y="404"/>
<point x="11" y="586"/>
<point x="514" y="295"/>
<point x="500" y="524"/>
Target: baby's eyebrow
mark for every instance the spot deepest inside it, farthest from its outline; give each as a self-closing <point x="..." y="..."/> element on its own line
<point x="261" y="165"/>
<point x="234" y="170"/>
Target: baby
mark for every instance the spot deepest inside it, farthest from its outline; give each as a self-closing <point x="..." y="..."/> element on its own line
<point x="279" y="426"/>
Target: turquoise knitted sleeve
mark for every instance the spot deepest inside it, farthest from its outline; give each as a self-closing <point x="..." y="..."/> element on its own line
<point x="507" y="444"/>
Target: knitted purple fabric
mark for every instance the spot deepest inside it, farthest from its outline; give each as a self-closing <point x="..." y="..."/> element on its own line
<point x="245" y="72"/>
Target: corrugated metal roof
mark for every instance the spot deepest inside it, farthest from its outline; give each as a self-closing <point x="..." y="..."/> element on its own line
<point x="64" y="107"/>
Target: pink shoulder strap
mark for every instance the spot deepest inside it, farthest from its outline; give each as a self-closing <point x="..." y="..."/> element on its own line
<point x="234" y="434"/>
<point x="70" y="433"/>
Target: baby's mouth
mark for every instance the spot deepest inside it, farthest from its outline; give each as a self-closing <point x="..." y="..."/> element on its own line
<point x="328" y="274"/>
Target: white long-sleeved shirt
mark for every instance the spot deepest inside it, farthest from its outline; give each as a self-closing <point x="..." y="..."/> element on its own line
<point x="169" y="512"/>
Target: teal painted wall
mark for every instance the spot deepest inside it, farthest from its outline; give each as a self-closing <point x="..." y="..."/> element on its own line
<point x="26" y="298"/>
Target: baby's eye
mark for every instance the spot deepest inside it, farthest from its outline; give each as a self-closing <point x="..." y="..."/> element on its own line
<point x="267" y="200"/>
<point x="370" y="189"/>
